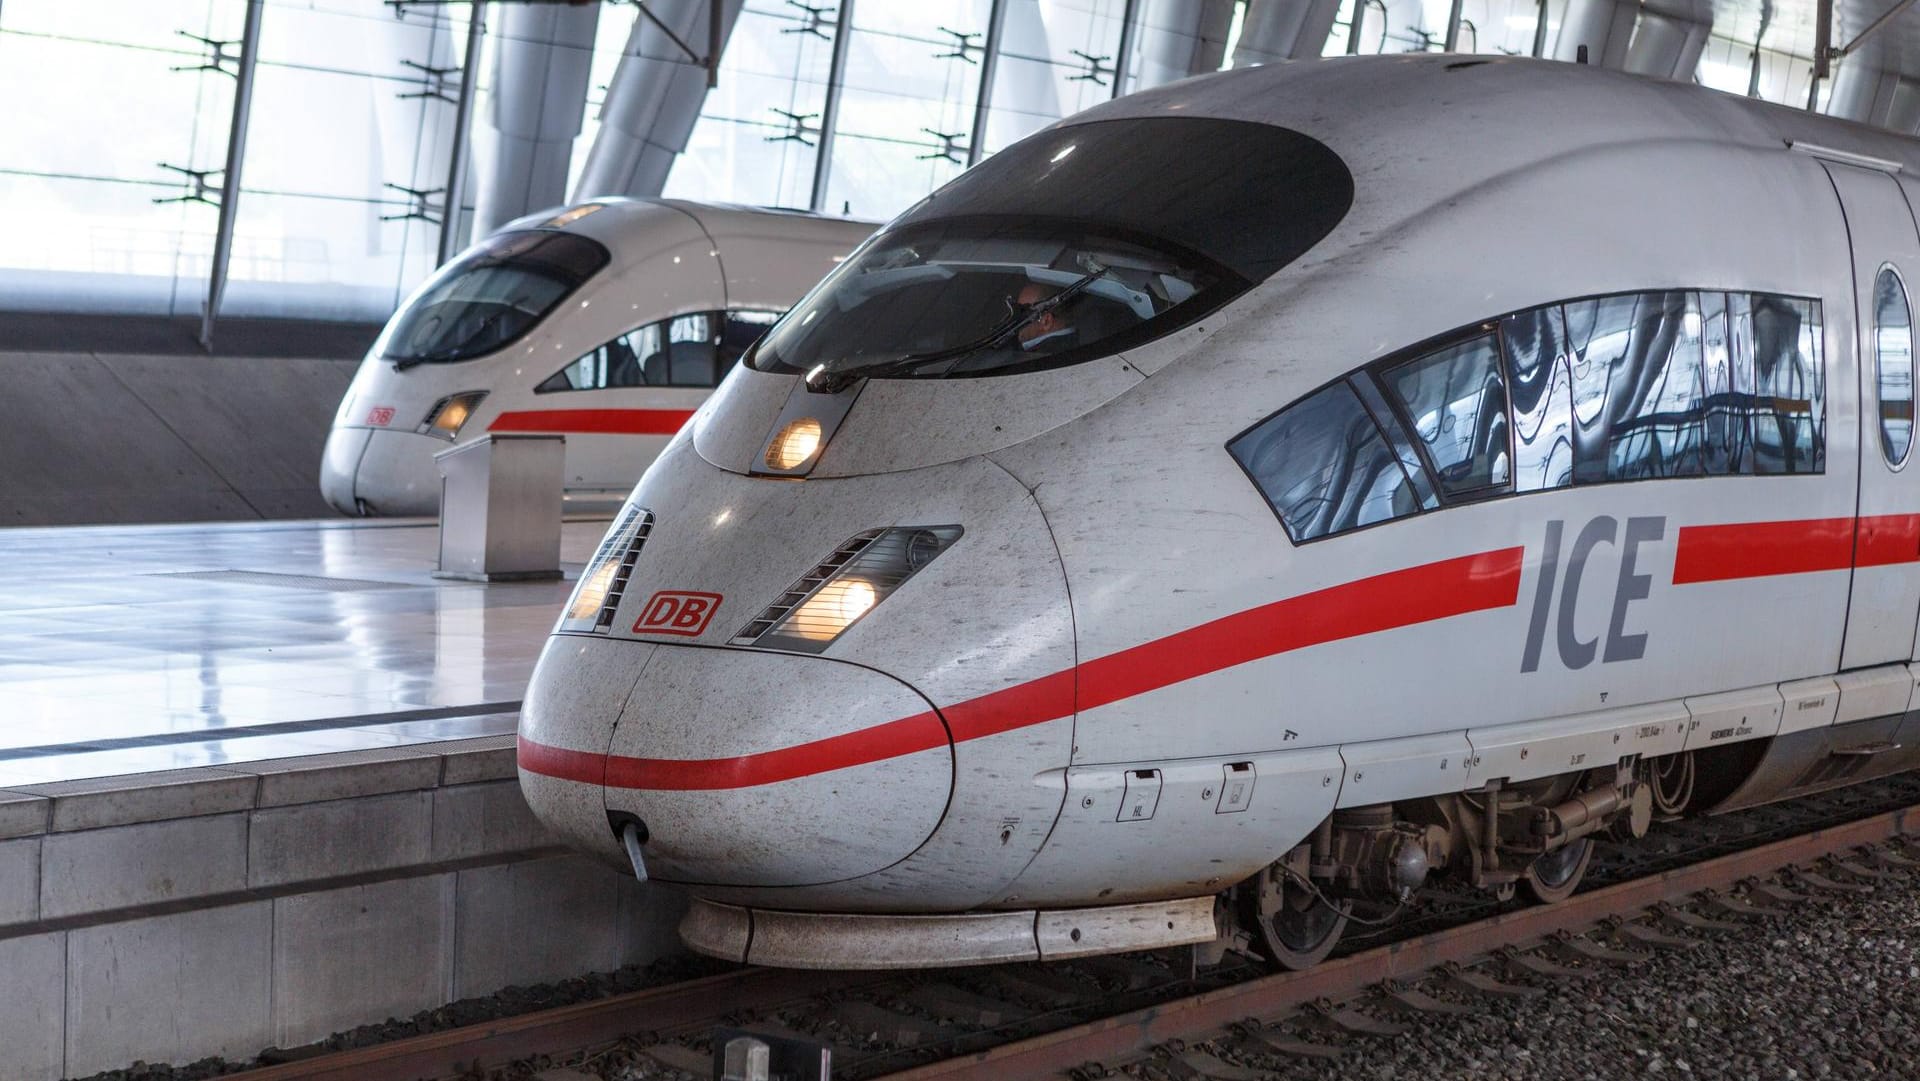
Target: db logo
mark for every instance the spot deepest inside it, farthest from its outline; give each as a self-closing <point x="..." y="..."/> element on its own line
<point x="380" y="416"/>
<point x="677" y="612"/>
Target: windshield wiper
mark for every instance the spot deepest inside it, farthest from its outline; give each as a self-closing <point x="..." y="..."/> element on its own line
<point x="824" y="381"/>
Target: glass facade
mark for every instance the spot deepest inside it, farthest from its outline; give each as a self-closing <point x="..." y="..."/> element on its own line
<point x="129" y="134"/>
<point x="1501" y="27"/>
<point x="114" y="172"/>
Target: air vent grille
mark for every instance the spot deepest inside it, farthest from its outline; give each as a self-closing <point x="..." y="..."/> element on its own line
<point x="608" y="574"/>
<point x="807" y="586"/>
<point x="861" y="573"/>
<point x="618" y="587"/>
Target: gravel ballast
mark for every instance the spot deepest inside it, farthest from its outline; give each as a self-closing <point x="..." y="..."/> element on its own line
<point x="1831" y="990"/>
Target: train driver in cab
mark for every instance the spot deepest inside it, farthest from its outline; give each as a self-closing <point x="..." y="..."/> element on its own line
<point x="1049" y="330"/>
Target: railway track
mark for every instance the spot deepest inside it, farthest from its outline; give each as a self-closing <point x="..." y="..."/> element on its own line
<point x="1162" y="1017"/>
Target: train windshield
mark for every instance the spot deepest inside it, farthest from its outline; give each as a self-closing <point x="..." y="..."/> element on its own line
<point x="1079" y="242"/>
<point x="489" y="297"/>
<point x="969" y="297"/>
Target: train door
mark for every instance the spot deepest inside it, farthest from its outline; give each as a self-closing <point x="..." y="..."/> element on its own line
<point x="1885" y="600"/>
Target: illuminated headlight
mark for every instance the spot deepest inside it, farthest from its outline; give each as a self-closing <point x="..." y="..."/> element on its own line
<point x="795" y="446"/>
<point x="604" y="582"/>
<point x="451" y="413"/>
<point x="851" y="582"/>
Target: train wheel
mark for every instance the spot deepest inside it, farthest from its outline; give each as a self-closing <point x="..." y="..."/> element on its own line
<point x="1555" y="875"/>
<point x="1294" y="928"/>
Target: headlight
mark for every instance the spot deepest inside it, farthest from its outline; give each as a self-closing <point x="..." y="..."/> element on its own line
<point x="451" y="413"/>
<point x="851" y="582"/>
<point x="604" y="581"/>
<point x="795" y="446"/>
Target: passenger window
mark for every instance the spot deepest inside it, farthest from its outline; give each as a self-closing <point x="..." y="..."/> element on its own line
<point x="1322" y="465"/>
<point x="684" y="351"/>
<point x="1675" y="383"/>
<point x="1639" y="397"/>
<point x="1725" y="430"/>
<point x="741" y="330"/>
<point x="1893" y="361"/>
<point x="1456" y="401"/>
<point x="1541" y="386"/>
<point x="686" y="360"/>
<point x="615" y="364"/>
<point x="1788" y="386"/>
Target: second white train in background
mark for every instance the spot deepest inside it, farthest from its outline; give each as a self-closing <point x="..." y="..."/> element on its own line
<point x="608" y="322"/>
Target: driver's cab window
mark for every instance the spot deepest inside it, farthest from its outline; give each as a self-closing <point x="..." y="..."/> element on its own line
<point x="692" y="350"/>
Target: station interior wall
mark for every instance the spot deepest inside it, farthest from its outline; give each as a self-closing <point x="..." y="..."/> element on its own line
<point x="104" y="421"/>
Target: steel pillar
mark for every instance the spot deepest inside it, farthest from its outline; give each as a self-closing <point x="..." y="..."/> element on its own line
<point x="1822" y="51"/>
<point x="451" y="236"/>
<point x="830" y="109"/>
<point x="1178" y="38"/>
<point x="989" y="67"/>
<point x="541" y="67"/>
<point x="230" y="177"/>
<point x="1284" y="30"/>
<point x="1669" y="39"/>
<point x="1129" y="43"/>
<point x="1605" y="27"/>
<point x="653" y="101"/>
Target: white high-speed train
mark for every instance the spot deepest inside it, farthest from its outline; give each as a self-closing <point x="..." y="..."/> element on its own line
<point x="608" y="322"/>
<point x="1256" y="496"/>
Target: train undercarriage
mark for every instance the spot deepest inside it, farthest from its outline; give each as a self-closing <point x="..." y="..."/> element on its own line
<point x="1364" y="864"/>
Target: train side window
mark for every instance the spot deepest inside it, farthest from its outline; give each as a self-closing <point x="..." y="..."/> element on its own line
<point x="1639" y="397"/>
<point x="1540" y="384"/>
<point x="1726" y="429"/>
<point x="738" y="333"/>
<point x="1740" y="350"/>
<point x="686" y="357"/>
<point x="1455" y="399"/>
<point x="1789" y="389"/>
<point x="693" y="350"/>
<point x="1323" y="466"/>
<point x="1664" y="434"/>
<point x="1893" y="363"/>
<point x="1397" y="438"/>
<point x="613" y="364"/>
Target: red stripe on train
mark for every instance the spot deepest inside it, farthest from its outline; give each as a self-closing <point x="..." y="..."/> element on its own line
<point x="593" y="421"/>
<point x="1720" y="553"/>
<point x="1384" y="602"/>
<point x="1888" y="539"/>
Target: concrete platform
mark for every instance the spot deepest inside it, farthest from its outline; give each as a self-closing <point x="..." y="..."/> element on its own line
<point x="130" y="649"/>
<point x="257" y="785"/>
<point x="167" y="917"/>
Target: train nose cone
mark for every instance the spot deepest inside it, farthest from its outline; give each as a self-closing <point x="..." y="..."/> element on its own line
<point x="756" y="769"/>
<point x="396" y="474"/>
<point x="339" y="461"/>
<point x="760" y="769"/>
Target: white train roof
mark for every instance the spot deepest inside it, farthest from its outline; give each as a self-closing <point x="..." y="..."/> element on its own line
<point x="1488" y="115"/>
<point x="617" y="217"/>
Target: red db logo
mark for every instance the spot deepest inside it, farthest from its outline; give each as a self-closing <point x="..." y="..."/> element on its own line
<point x="677" y="612"/>
<point x="380" y="416"/>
